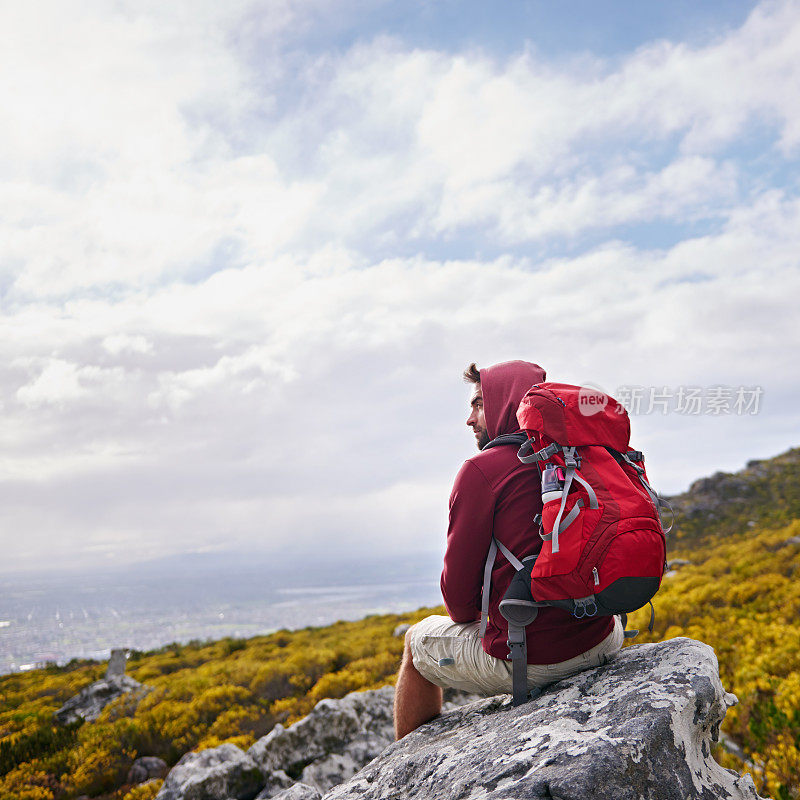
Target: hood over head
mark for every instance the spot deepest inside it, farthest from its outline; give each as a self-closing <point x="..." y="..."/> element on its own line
<point x="503" y="387"/>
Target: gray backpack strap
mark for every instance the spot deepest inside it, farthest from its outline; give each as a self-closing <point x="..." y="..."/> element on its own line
<point x="571" y="464"/>
<point x="487" y="578"/>
<point x="664" y="502"/>
<point x="626" y="634"/>
<point x="512" y="559"/>
<point x="515" y="439"/>
<point x="518" y="649"/>
<point x="524" y="612"/>
<point x="631" y="634"/>
<point x="658" y="502"/>
<point x="527" y="455"/>
<point x="520" y="610"/>
<point x="592" y="496"/>
<point x="487" y="585"/>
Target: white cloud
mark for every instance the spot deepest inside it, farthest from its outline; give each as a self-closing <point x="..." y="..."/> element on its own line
<point x="462" y="138"/>
<point x="215" y="329"/>
<point x="685" y="189"/>
<point x="58" y="382"/>
<point x="122" y="342"/>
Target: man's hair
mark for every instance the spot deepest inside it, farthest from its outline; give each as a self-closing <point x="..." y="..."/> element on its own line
<point x="472" y="374"/>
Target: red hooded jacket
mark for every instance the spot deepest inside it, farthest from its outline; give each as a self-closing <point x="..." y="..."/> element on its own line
<point x="496" y="494"/>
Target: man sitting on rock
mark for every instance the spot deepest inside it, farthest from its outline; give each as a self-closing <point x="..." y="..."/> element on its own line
<point x="493" y="494"/>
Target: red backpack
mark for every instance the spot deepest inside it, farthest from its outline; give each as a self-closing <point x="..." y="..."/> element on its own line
<point x="604" y="546"/>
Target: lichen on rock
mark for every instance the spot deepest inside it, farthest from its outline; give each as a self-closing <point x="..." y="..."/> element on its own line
<point x="638" y="728"/>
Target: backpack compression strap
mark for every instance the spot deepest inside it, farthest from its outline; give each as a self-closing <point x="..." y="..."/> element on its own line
<point x="632" y="458"/>
<point x="527" y="455"/>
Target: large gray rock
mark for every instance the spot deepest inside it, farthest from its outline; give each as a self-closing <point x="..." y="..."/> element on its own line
<point x="300" y="791"/>
<point x="220" y="773"/>
<point x="321" y="750"/>
<point x="333" y="742"/>
<point x="92" y="699"/>
<point x="145" y="768"/>
<point x="639" y="728"/>
<point x="275" y="782"/>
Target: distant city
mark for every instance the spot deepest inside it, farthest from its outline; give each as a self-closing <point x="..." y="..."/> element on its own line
<point x="53" y="618"/>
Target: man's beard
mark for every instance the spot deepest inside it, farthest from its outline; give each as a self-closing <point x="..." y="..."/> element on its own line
<point x="482" y="436"/>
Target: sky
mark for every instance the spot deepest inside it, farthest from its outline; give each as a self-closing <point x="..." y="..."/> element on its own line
<point x="247" y="249"/>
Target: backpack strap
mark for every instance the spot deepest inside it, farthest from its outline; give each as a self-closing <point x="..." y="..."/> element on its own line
<point x="518" y="651"/>
<point x="517" y="640"/>
<point x="516" y="439"/>
<point x="518" y="643"/>
<point x="487" y="578"/>
<point x="567" y="521"/>
<point x="527" y="455"/>
<point x="588" y="486"/>
<point x="487" y="585"/>
<point x="571" y="463"/>
<point x="632" y="458"/>
<point x="520" y="610"/>
<point x="632" y="634"/>
<point x="626" y="634"/>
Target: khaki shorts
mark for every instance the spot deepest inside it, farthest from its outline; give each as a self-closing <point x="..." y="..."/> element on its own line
<point x="475" y="671"/>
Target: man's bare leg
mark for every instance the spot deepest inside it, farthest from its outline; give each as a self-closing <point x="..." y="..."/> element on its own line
<point x="416" y="699"/>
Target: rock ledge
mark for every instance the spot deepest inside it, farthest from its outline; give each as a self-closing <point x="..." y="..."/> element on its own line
<point x="639" y="728"/>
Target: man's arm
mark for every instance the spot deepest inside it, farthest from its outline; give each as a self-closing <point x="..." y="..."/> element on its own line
<point x="469" y="535"/>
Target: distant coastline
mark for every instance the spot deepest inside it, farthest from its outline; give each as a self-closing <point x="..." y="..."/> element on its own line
<point x="53" y="618"/>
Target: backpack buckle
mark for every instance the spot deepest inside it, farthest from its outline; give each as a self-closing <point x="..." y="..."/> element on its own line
<point x="516" y="641"/>
<point x="572" y="459"/>
<point x="585" y="607"/>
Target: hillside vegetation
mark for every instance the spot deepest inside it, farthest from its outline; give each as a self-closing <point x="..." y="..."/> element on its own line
<point x="231" y="690"/>
<point x="739" y="594"/>
<point x="765" y="493"/>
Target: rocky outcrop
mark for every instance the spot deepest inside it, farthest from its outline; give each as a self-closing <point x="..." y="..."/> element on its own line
<point x="276" y="782"/>
<point x="300" y="791"/>
<point x="145" y="768"/>
<point x="302" y="761"/>
<point x="639" y="728"/>
<point x="764" y="493"/>
<point x="335" y="740"/>
<point x="92" y="699"/>
<point x="221" y="772"/>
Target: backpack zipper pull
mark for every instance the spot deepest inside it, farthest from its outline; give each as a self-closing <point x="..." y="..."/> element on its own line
<point x="596" y="576"/>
